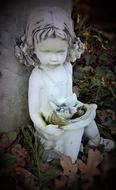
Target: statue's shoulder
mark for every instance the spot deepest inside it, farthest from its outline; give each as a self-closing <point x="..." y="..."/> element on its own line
<point x="36" y="75"/>
<point x="36" y="72"/>
<point x="68" y="66"/>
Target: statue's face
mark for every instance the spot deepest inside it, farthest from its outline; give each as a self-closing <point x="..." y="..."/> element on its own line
<point x="52" y="51"/>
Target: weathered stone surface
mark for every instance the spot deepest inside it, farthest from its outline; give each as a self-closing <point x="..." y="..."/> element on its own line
<point x="14" y="76"/>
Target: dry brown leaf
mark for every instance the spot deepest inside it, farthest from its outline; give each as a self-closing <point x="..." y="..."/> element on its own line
<point x="94" y="159"/>
<point x="44" y="167"/>
<point x="82" y="167"/>
<point x="113" y="130"/>
<point x="86" y="177"/>
<point x="60" y="183"/>
<point x="20" y="153"/>
<point x="69" y="169"/>
<point x="45" y="188"/>
<point x="4" y="141"/>
<point x="89" y="170"/>
<point x="18" y="150"/>
<point x="27" y="179"/>
<point x="106" y="114"/>
<point x="76" y="90"/>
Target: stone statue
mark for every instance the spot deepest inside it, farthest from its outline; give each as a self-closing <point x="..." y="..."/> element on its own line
<point x="50" y="45"/>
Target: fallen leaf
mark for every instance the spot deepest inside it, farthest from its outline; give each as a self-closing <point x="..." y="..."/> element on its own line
<point x="76" y="90"/>
<point x="44" y="167"/>
<point x="93" y="160"/>
<point x="105" y="115"/>
<point x="45" y="188"/>
<point x="4" y="141"/>
<point x="60" y="183"/>
<point x="89" y="170"/>
<point x="113" y="130"/>
<point x="12" y="135"/>
<point x="69" y="169"/>
<point x="20" y="153"/>
<point x="27" y="179"/>
<point x="7" y="159"/>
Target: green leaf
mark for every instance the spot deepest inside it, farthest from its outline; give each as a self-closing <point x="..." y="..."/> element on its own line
<point x="45" y="178"/>
<point x="103" y="57"/>
<point x="32" y="143"/>
<point x="110" y="123"/>
<point x="79" y="73"/>
<point x="95" y="81"/>
<point x="12" y="135"/>
<point x="104" y="131"/>
<point x="113" y="123"/>
<point x="109" y="102"/>
<point x="90" y="58"/>
<point x="105" y="72"/>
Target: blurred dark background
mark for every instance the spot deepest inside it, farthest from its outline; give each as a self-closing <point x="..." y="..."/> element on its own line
<point x="101" y="13"/>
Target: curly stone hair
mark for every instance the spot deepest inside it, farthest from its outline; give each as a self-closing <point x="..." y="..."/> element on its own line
<point x="43" y="23"/>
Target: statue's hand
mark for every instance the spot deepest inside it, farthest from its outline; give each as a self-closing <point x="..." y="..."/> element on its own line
<point x="54" y="130"/>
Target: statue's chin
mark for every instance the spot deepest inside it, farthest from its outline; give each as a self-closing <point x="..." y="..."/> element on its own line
<point x="51" y="65"/>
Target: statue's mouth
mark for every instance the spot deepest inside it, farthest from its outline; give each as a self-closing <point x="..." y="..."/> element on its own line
<point x="52" y="65"/>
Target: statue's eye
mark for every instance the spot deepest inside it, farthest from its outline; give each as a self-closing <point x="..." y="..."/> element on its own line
<point x="61" y="51"/>
<point x="47" y="51"/>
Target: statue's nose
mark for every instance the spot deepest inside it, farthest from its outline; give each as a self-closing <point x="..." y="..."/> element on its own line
<point x="53" y="58"/>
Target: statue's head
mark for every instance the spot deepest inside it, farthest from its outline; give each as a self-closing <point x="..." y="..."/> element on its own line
<point x="49" y="32"/>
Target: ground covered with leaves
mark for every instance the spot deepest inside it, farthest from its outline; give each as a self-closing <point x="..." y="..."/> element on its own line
<point x="22" y="166"/>
<point x="21" y="152"/>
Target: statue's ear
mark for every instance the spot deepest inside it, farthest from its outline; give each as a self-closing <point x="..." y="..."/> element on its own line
<point x="18" y="54"/>
<point x="76" y="50"/>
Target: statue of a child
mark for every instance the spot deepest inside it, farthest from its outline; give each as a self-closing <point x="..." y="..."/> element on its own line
<point x="50" y="44"/>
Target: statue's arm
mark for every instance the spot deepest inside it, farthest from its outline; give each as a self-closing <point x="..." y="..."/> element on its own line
<point x="34" y="102"/>
<point x="34" y="99"/>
